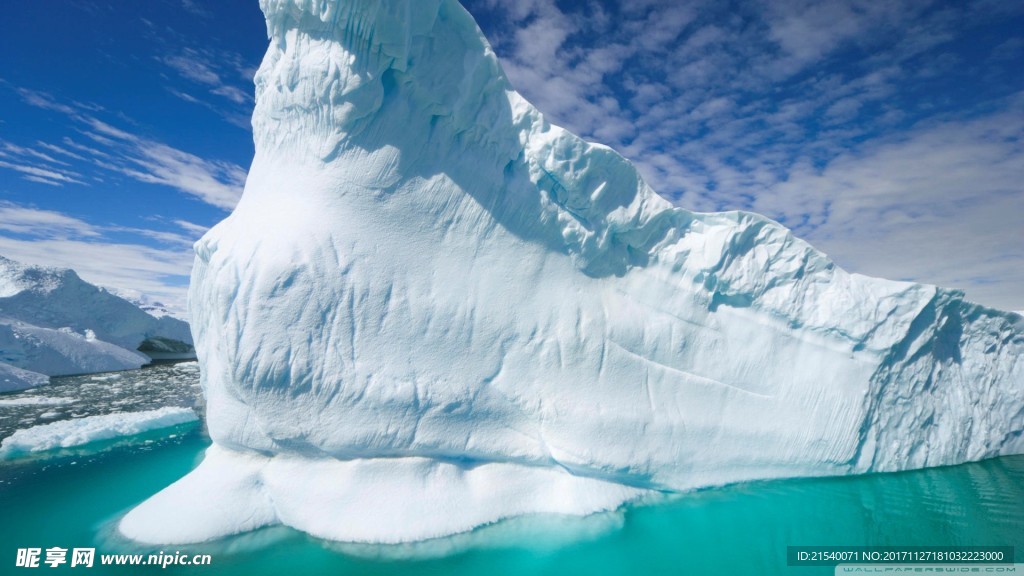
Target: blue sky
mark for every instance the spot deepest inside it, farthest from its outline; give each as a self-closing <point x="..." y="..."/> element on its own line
<point x="889" y="134"/>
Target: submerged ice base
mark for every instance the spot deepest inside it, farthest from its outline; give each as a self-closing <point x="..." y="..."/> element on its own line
<point x="380" y="500"/>
<point x="435" y="308"/>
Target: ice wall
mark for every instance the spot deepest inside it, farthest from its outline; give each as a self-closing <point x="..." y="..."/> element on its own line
<point x="429" y="294"/>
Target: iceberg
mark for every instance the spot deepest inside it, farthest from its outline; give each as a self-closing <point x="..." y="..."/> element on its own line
<point x="13" y="379"/>
<point x="81" y="431"/>
<point x="54" y="323"/>
<point x="60" y="352"/>
<point x="432" y="309"/>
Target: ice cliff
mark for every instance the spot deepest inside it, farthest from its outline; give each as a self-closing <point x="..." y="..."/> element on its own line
<point x="53" y="323"/>
<point x="433" y="309"/>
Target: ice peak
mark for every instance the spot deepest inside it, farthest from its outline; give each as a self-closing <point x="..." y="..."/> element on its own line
<point x="16" y="277"/>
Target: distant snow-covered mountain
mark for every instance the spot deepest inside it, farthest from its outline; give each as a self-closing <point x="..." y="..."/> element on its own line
<point x="148" y="304"/>
<point x="53" y="323"/>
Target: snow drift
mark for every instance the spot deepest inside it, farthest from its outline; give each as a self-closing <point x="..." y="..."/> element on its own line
<point x="432" y="309"/>
<point x="52" y="323"/>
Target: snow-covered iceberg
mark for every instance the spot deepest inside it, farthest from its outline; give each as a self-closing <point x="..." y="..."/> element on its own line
<point x="53" y="323"/>
<point x="13" y="378"/>
<point x="82" y="431"/>
<point x="432" y="309"/>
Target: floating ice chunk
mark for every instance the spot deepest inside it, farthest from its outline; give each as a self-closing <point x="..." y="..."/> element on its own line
<point x="60" y="352"/>
<point x="81" y="431"/>
<point x="35" y="401"/>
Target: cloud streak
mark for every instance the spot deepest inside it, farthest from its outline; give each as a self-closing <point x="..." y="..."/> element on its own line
<point x="155" y="262"/>
<point x="100" y="254"/>
<point x="121" y="152"/>
<point x="216" y="73"/>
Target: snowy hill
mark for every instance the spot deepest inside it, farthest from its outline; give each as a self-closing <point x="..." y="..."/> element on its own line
<point x="432" y="309"/>
<point x="52" y="323"/>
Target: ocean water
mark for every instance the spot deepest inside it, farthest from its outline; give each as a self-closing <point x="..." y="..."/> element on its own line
<point x="77" y="396"/>
<point x="73" y="500"/>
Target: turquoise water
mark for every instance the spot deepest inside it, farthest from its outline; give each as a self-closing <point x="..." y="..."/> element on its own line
<point x="72" y="501"/>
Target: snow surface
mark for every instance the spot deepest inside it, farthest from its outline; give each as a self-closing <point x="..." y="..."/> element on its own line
<point x="432" y="309"/>
<point x="54" y="323"/>
<point x="81" y="431"/>
<point x="13" y="379"/>
<point x="59" y="352"/>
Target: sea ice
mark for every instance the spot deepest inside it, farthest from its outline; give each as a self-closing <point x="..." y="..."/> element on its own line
<point x="81" y="431"/>
<point x="35" y="401"/>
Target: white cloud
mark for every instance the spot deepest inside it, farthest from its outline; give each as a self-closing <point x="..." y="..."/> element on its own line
<point x="42" y="174"/>
<point x="143" y="159"/>
<point x="192" y="228"/>
<point x="84" y="148"/>
<point x="216" y="183"/>
<point x="51" y="238"/>
<point x="37" y="166"/>
<point x="241" y="119"/>
<point x="44" y="101"/>
<point x="194" y="8"/>
<point x="159" y="274"/>
<point x="217" y="72"/>
<point x="19" y="219"/>
<point x="940" y="205"/>
<point x="154" y="262"/>
<point x="9" y="148"/>
<point x="233" y="93"/>
<point x="59" y="150"/>
<point x="192" y="67"/>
